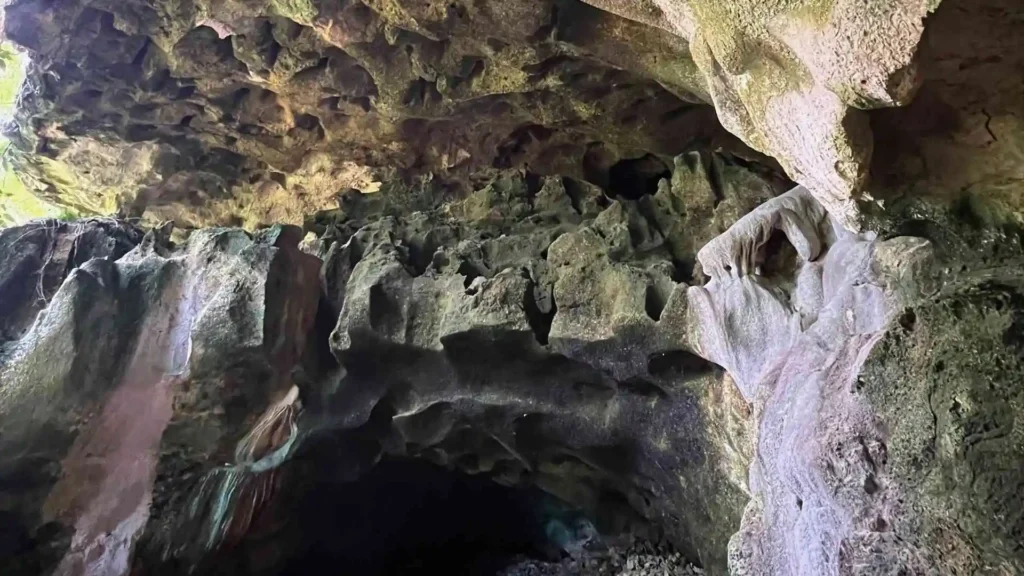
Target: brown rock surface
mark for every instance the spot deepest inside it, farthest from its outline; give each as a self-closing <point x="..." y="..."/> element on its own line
<point x="261" y="112"/>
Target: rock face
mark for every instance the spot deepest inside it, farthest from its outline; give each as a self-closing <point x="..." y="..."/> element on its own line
<point x="204" y="100"/>
<point x="143" y="368"/>
<point x="791" y="78"/>
<point x="535" y="332"/>
<point x="531" y="252"/>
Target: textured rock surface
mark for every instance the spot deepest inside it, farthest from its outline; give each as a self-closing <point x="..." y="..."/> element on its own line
<point x="515" y="335"/>
<point x="532" y="269"/>
<point x="204" y="100"/>
<point x="536" y="331"/>
<point x="261" y="112"/>
<point x="142" y="367"/>
<point x="954" y="442"/>
<point x="790" y="78"/>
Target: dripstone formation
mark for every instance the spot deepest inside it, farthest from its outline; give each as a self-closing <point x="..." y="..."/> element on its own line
<point x="632" y="288"/>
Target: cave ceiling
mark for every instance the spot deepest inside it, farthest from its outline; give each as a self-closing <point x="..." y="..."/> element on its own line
<point x="260" y="112"/>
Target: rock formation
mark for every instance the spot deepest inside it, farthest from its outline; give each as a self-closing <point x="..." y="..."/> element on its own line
<point x="603" y="274"/>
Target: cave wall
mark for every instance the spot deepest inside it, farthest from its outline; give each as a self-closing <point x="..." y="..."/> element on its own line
<point x="541" y="259"/>
<point x="535" y="332"/>
<point x="143" y="367"/>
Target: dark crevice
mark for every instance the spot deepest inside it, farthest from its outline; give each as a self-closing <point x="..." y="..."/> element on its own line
<point x="633" y="178"/>
<point x="360" y="101"/>
<point x="411" y="517"/>
<point x="272" y="54"/>
<point x="313" y="71"/>
<point x="642" y="387"/>
<point x="596" y="162"/>
<point x="908" y="320"/>
<point x="421" y="92"/>
<point x="574" y="190"/>
<point x="141" y="132"/>
<point x="550" y="28"/>
<point x="383" y="310"/>
<point x="280" y="178"/>
<point x="539" y="321"/>
<point x="471" y="271"/>
<point x="777" y="258"/>
<point x="715" y="180"/>
<point x="673" y="364"/>
<point x="470" y="68"/>
<point x="654" y="302"/>
<point x="308" y="122"/>
<point x="157" y="81"/>
<point x="682" y="271"/>
<point x="515" y="147"/>
<point x="421" y="253"/>
<point x="533" y="186"/>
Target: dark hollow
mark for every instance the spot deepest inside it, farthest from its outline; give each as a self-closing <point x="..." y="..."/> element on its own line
<point x="633" y="178"/>
<point x="412" y="517"/>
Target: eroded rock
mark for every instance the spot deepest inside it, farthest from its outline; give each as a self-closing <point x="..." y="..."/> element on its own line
<point x="257" y="113"/>
<point x="142" y="370"/>
<point x="791" y="78"/>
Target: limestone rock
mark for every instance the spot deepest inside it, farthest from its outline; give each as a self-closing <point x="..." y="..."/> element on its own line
<point x="35" y="259"/>
<point x="141" y="372"/>
<point x="213" y="113"/>
<point x="790" y="78"/>
<point x="530" y="253"/>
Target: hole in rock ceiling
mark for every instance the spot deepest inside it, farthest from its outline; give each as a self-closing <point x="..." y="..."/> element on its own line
<point x="410" y="517"/>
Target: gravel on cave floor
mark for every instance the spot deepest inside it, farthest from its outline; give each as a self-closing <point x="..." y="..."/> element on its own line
<point x="638" y="559"/>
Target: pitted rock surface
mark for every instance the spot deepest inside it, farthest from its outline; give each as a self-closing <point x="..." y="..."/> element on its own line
<point x="217" y="113"/>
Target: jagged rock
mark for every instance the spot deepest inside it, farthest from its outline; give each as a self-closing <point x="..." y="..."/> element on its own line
<point x="791" y="78"/>
<point x="536" y="331"/>
<point x="487" y="362"/>
<point x="142" y="371"/>
<point x="254" y="113"/>
<point x="534" y="270"/>
<point x="452" y="346"/>
<point x="35" y="259"/>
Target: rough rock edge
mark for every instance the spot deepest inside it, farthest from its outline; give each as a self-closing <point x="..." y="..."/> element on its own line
<point x="791" y="78"/>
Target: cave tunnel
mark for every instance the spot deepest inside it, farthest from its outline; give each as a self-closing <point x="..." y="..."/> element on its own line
<point x="353" y="504"/>
<point x="409" y="516"/>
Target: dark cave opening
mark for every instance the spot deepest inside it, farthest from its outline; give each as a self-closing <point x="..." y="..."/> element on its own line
<point x="633" y="178"/>
<point x="409" y="516"/>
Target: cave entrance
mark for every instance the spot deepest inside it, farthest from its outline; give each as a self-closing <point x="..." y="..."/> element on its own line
<point x="409" y="516"/>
